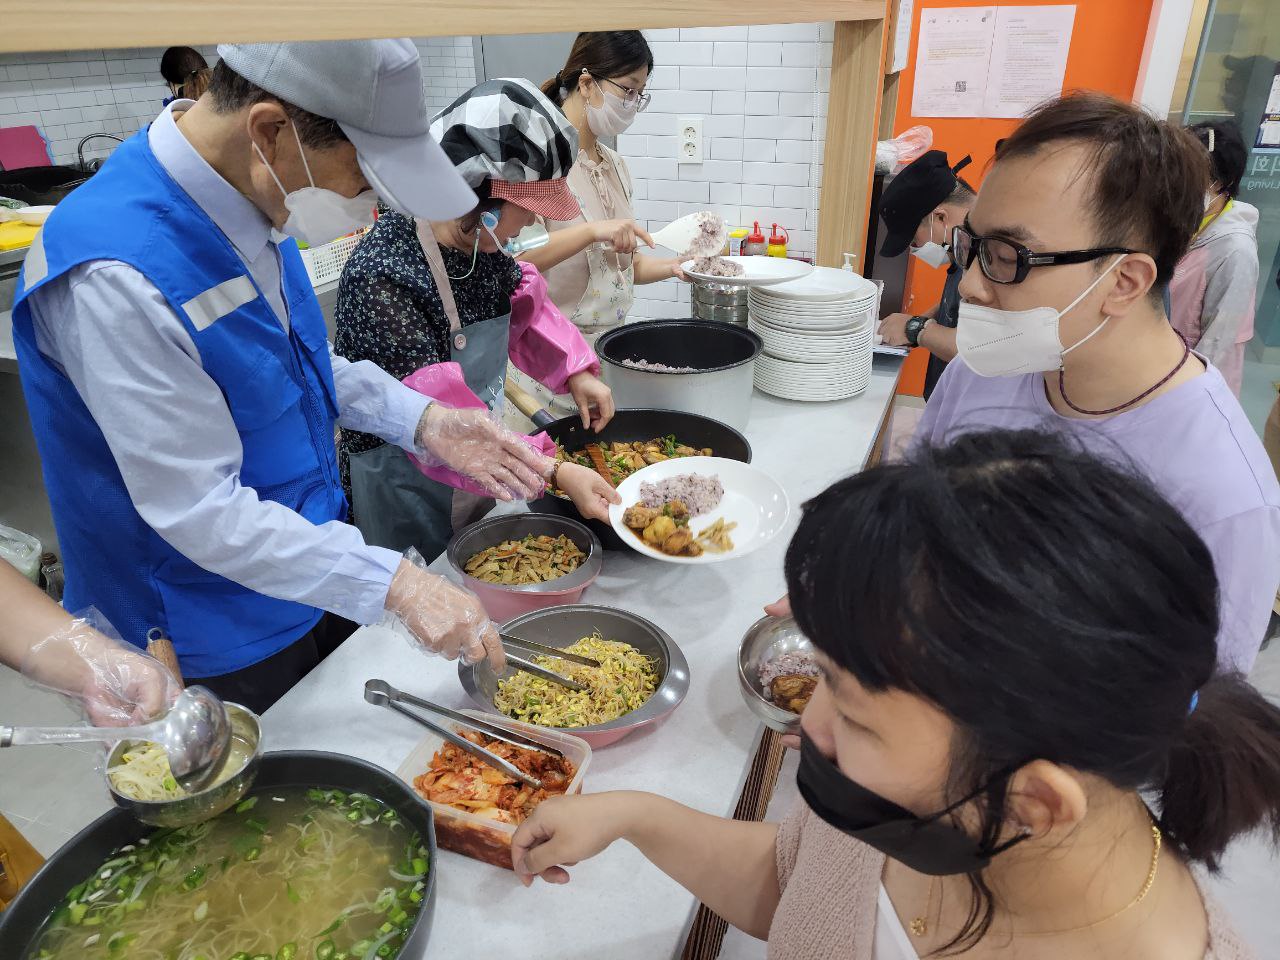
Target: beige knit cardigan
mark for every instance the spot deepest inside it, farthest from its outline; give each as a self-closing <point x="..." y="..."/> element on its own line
<point x="830" y="884"/>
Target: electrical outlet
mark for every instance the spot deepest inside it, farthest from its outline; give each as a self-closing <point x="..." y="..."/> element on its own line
<point x="689" y="140"/>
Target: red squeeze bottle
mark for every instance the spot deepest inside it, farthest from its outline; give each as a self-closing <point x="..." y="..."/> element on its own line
<point x="754" y="245"/>
<point x="778" y="242"/>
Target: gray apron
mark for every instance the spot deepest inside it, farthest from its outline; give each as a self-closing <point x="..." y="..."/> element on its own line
<point x="395" y="505"/>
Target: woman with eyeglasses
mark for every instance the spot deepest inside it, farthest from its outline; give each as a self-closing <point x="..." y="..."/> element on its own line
<point x="593" y="263"/>
<point x="1004" y="684"/>
<point x="1073" y="238"/>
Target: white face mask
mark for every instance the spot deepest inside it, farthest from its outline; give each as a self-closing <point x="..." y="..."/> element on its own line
<point x="612" y="117"/>
<point x="1209" y="197"/>
<point x="1008" y="343"/>
<point x="318" y="215"/>
<point x="934" y="254"/>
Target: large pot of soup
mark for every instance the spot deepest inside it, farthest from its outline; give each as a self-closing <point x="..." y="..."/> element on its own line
<point x="326" y="858"/>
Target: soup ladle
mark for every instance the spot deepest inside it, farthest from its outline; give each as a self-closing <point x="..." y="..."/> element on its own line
<point x="195" y="734"/>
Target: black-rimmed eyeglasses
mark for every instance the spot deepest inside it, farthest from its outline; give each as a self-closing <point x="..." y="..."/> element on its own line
<point x="1004" y="261"/>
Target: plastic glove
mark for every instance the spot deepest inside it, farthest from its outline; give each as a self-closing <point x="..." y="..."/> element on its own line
<point x="115" y="683"/>
<point x="594" y="400"/>
<point x="445" y="383"/>
<point x="475" y="444"/>
<point x="441" y="616"/>
<point x="587" y="489"/>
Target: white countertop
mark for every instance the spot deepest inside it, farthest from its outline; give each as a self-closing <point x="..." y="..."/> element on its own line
<point x="618" y="906"/>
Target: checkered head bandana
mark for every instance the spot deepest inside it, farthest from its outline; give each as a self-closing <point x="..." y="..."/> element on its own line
<point x="505" y="131"/>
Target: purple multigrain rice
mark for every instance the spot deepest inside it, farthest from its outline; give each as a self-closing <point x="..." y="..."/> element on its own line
<point x="656" y="367"/>
<point x="797" y="663"/>
<point x="717" y="267"/>
<point x="712" y="231"/>
<point x="699" y="493"/>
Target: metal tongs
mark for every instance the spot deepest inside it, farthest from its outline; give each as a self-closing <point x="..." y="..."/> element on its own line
<point x="382" y="694"/>
<point x="510" y="644"/>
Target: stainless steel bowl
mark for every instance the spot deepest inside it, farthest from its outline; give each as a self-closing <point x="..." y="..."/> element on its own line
<point x="718" y="295"/>
<point x="515" y="526"/>
<point x="210" y="802"/>
<point x="767" y="639"/>
<point x="565" y="626"/>
<point x="730" y="314"/>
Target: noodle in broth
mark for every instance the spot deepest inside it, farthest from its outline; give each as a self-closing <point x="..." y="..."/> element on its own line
<point x="289" y="874"/>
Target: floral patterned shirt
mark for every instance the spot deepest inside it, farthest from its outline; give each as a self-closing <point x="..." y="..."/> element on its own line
<point x="389" y="310"/>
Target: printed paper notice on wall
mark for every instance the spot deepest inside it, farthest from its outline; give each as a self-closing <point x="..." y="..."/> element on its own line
<point x="901" y="36"/>
<point x="1028" y="58"/>
<point x="952" y="60"/>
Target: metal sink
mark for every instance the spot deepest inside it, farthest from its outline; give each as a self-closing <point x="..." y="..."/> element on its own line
<point x="40" y="185"/>
<point x="48" y="185"/>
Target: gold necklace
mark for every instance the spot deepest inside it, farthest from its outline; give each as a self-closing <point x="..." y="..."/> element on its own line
<point x="1157" y="840"/>
<point x="919" y="927"/>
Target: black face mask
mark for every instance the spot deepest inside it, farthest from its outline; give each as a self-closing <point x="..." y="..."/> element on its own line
<point x="927" y="845"/>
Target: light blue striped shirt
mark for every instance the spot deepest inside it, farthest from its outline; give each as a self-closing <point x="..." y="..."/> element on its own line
<point x="167" y="424"/>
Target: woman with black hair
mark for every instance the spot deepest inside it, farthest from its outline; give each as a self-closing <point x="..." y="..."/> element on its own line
<point x="1212" y="295"/>
<point x="186" y="72"/>
<point x="591" y="263"/>
<point x="1002" y="674"/>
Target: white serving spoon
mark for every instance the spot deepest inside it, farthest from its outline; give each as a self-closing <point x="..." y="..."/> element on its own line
<point x="688" y="239"/>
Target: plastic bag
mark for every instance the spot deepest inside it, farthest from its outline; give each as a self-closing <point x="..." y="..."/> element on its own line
<point x="893" y="155"/>
<point x="22" y="550"/>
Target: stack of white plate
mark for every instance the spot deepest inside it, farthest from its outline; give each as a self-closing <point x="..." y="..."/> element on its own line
<point x="818" y="333"/>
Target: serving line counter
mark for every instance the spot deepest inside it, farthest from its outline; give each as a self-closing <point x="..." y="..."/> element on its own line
<point x="617" y="906"/>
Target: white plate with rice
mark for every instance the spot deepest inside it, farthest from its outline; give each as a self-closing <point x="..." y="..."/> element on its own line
<point x="750" y="271"/>
<point x="751" y="498"/>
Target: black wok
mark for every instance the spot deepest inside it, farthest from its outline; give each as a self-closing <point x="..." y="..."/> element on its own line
<point x="20" y="923"/>
<point x="627" y="426"/>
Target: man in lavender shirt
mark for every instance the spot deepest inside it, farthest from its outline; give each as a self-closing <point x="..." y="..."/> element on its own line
<point x="1067" y="251"/>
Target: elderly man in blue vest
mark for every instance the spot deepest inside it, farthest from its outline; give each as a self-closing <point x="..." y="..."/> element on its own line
<point x="182" y="389"/>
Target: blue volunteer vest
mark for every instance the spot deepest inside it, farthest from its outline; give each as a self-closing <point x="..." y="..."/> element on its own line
<point x="278" y="387"/>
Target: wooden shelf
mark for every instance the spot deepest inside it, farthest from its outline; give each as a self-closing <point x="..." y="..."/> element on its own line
<point x="31" y="25"/>
<point x="853" y="113"/>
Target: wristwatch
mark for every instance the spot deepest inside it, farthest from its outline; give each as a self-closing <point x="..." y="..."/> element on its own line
<point x="913" y="329"/>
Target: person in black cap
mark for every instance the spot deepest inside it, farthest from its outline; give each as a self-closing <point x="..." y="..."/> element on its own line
<point x="920" y="206"/>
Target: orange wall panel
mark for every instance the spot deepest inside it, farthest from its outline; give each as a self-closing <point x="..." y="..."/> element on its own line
<point x="1106" y="50"/>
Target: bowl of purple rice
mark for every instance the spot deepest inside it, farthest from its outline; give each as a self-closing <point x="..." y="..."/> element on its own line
<point x="772" y="647"/>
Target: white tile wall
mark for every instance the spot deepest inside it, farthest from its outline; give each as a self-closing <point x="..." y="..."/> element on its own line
<point x="70" y="94"/>
<point x="448" y="69"/>
<point x="761" y="92"/>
